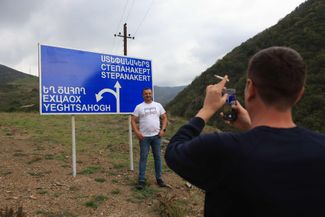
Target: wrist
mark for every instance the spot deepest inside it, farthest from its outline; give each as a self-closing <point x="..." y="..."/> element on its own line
<point x="205" y="114"/>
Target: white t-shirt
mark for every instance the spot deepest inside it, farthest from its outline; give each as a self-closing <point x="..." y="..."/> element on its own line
<point x="149" y="117"/>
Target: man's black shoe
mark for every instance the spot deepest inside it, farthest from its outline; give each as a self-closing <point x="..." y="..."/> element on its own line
<point x="161" y="183"/>
<point x="141" y="185"/>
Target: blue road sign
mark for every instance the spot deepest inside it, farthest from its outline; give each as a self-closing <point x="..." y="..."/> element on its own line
<point x="81" y="82"/>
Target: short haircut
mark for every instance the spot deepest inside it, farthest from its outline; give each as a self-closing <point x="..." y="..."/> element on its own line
<point x="279" y="74"/>
<point x="146" y="88"/>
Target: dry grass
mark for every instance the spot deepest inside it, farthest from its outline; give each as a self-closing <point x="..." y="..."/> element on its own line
<point x="36" y="155"/>
<point x="9" y="212"/>
<point x="170" y="206"/>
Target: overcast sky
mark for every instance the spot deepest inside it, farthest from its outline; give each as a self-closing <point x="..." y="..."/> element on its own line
<point x="181" y="37"/>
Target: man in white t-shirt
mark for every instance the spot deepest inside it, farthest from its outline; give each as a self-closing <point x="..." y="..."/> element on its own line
<point x="149" y="114"/>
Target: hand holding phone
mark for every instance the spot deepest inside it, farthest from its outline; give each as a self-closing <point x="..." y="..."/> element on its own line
<point x="229" y="113"/>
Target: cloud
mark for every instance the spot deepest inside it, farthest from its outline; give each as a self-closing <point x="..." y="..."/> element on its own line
<point x="182" y="37"/>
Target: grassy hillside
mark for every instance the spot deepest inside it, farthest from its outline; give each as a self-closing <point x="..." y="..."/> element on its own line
<point x="303" y="30"/>
<point x="18" y="91"/>
<point x="35" y="169"/>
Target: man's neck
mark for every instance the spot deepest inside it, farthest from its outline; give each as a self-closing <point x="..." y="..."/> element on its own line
<point x="272" y="118"/>
<point x="148" y="102"/>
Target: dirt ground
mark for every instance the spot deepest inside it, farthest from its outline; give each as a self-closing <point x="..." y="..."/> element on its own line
<point x="39" y="178"/>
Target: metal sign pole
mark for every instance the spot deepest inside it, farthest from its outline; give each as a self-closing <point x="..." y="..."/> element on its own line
<point x="125" y="37"/>
<point x="130" y="145"/>
<point x="74" y="157"/>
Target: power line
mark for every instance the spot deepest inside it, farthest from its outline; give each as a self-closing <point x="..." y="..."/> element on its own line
<point x="127" y="16"/>
<point x="125" y="6"/>
<point x="144" y="17"/>
<point x="117" y="27"/>
<point x="130" y="10"/>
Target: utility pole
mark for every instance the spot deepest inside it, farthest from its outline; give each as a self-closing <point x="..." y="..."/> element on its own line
<point x="125" y="37"/>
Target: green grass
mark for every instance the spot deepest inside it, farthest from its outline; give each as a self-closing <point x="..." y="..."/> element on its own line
<point x="56" y="129"/>
<point x="169" y="206"/>
<point x="49" y="157"/>
<point x="54" y="214"/>
<point x="119" y="165"/>
<point x="56" y="194"/>
<point x="111" y="173"/>
<point x="101" y="180"/>
<point x="39" y="174"/>
<point x="5" y="172"/>
<point x="116" y="191"/>
<point x="61" y="157"/>
<point x="35" y="159"/>
<point x="42" y="192"/>
<point x="74" y="188"/>
<point x="19" y="154"/>
<point x="90" y="170"/>
<point x="91" y="204"/>
<point x="108" y="133"/>
<point x="96" y="201"/>
<point x="115" y="181"/>
<point x="141" y="195"/>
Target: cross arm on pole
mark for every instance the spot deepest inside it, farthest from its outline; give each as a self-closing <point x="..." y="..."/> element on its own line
<point x="125" y="37"/>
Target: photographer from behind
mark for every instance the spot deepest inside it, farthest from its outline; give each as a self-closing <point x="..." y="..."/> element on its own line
<point x="271" y="168"/>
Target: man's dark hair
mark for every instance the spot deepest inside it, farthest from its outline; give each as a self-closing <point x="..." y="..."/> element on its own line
<point x="279" y="74"/>
<point x="146" y="88"/>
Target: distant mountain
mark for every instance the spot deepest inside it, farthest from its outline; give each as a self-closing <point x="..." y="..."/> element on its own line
<point x="303" y="30"/>
<point x="18" y="91"/>
<point x="164" y="95"/>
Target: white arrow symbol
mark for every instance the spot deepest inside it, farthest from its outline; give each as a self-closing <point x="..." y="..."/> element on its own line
<point x="116" y="94"/>
<point x="117" y="87"/>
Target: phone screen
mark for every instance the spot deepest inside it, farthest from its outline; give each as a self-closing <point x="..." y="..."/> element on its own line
<point x="228" y="112"/>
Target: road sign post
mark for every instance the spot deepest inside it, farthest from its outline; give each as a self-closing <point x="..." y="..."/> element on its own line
<point x="74" y="82"/>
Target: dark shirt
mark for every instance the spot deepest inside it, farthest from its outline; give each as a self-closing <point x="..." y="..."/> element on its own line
<point x="262" y="172"/>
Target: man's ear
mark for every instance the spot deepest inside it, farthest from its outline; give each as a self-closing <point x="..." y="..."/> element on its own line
<point x="301" y="93"/>
<point x="250" y="89"/>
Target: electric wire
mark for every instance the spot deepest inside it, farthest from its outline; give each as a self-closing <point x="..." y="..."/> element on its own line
<point x="144" y="17"/>
<point x="130" y="10"/>
<point x="127" y="17"/>
<point x="117" y="27"/>
<point x="125" y="7"/>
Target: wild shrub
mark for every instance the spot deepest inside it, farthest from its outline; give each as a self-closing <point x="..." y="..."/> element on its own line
<point x="9" y="212"/>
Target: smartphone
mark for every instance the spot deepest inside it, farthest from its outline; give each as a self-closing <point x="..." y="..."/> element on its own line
<point x="229" y="113"/>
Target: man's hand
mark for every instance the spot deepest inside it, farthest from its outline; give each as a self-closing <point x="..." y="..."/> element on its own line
<point x="139" y="135"/>
<point x="213" y="100"/>
<point x="163" y="118"/>
<point x="161" y="133"/>
<point x="243" y="121"/>
<point x="135" y="128"/>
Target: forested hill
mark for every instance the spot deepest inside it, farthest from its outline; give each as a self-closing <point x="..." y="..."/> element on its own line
<point x="18" y="91"/>
<point x="303" y="30"/>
